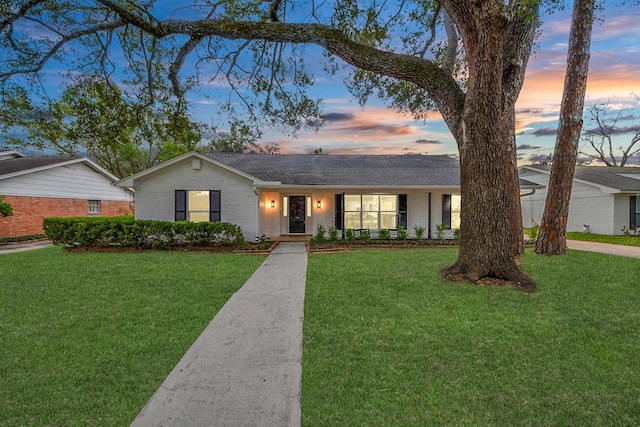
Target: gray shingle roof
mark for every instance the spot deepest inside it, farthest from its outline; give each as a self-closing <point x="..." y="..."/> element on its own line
<point x="345" y="170"/>
<point x="604" y="175"/>
<point x="26" y="163"/>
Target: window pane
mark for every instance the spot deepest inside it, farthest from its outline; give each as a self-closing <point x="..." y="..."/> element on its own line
<point x="370" y="203"/>
<point x="199" y="216"/>
<point x="370" y="220"/>
<point x="455" y="210"/>
<point x="388" y="220"/>
<point x="352" y="220"/>
<point x="389" y="203"/>
<point x="352" y="203"/>
<point x="199" y="201"/>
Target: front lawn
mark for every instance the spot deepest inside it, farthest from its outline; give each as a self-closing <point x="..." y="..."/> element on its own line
<point x="604" y="238"/>
<point x="86" y="338"/>
<point x="388" y="343"/>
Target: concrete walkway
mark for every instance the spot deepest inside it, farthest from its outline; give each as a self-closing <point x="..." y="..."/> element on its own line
<point x="10" y="248"/>
<point x="604" y="248"/>
<point x="245" y="368"/>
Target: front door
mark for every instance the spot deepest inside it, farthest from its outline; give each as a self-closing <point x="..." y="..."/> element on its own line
<point x="297" y="214"/>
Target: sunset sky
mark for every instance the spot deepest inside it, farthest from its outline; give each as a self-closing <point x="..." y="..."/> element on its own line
<point x="614" y="75"/>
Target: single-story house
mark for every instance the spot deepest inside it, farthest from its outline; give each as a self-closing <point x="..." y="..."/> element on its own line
<point x="42" y="187"/>
<point x="603" y="199"/>
<point x="292" y="194"/>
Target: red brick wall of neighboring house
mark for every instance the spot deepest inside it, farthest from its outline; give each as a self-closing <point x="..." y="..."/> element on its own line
<point x="28" y="212"/>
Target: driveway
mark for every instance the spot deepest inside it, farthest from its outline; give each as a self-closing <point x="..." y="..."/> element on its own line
<point x="8" y="248"/>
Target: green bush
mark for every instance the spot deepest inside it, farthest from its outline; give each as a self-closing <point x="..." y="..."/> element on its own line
<point x="402" y="233"/>
<point x="144" y="234"/>
<point x="350" y="235"/>
<point x="319" y="236"/>
<point x="333" y="233"/>
<point x="5" y="208"/>
<point x="419" y="231"/>
<point x="383" y="234"/>
<point x="365" y="235"/>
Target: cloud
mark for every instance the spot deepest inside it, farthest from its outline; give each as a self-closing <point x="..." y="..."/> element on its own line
<point x="545" y="132"/>
<point x="527" y="147"/>
<point x="428" y="141"/>
<point x="539" y="158"/>
<point x="338" y="117"/>
<point x="614" y="131"/>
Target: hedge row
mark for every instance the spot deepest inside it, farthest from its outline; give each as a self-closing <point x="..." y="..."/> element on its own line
<point x="143" y="234"/>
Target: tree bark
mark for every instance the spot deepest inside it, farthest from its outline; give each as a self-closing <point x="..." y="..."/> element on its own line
<point x="553" y="227"/>
<point x="490" y="221"/>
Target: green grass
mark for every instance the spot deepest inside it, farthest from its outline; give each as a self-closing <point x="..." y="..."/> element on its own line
<point x="603" y="238"/>
<point x="86" y="338"/>
<point x="387" y="343"/>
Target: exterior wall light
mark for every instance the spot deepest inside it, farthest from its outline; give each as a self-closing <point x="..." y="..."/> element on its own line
<point x="319" y="205"/>
<point x="273" y="203"/>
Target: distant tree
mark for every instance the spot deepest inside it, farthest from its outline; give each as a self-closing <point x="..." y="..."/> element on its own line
<point x="318" y="151"/>
<point x="5" y="208"/>
<point x="241" y="138"/>
<point x="553" y="227"/>
<point x="600" y="136"/>
<point x="96" y="118"/>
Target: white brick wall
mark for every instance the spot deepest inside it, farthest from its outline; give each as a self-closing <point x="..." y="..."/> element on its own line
<point x="603" y="213"/>
<point x="155" y="194"/>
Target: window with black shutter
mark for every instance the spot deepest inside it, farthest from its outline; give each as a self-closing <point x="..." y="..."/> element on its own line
<point x="214" y="205"/>
<point x="181" y="205"/>
<point x="339" y="211"/>
<point x="634" y="209"/>
<point x="446" y="210"/>
<point x="402" y="211"/>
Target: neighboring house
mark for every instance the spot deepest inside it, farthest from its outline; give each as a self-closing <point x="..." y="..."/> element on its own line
<point x="292" y="194"/>
<point x="603" y="199"/>
<point x="42" y="187"/>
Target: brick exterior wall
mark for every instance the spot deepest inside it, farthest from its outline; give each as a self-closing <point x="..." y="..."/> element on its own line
<point x="28" y="212"/>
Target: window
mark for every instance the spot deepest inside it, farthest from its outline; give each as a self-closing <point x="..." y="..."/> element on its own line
<point x="94" y="207"/>
<point x="634" y="218"/>
<point x="374" y="211"/>
<point x="197" y="205"/>
<point x="451" y="210"/>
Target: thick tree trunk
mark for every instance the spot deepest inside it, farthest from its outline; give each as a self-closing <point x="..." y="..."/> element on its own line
<point x="553" y="227"/>
<point x="490" y="218"/>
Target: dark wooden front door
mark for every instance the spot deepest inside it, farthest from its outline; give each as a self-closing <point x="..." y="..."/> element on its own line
<point x="297" y="214"/>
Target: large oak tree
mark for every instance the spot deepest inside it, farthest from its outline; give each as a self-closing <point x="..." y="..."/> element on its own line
<point x="472" y="75"/>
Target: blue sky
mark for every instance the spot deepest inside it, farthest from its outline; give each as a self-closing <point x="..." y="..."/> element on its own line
<point x="375" y="129"/>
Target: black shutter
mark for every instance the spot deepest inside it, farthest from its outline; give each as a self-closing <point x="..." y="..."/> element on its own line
<point x="339" y="211"/>
<point x="402" y="211"/>
<point x="446" y="210"/>
<point x="214" y="205"/>
<point x="633" y="215"/>
<point x="181" y="205"/>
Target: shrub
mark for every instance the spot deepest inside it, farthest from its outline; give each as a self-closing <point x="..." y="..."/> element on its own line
<point x="402" y="233"/>
<point x="365" y="235"/>
<point x="333" y="233"/>
<point x="319" y="236"/>
<point x="383" y="234"/>
<point x="419" y="231"/>
<point x="5" y="208"/>
<point x="440" y="229"/>
<point x="143" y="234"/>
<point x="456" y="234"/>
<point x="350" y="235"/>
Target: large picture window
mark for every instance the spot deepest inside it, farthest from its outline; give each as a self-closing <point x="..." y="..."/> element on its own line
<point x="197" y="205"/>
<point x="373" y="211"/>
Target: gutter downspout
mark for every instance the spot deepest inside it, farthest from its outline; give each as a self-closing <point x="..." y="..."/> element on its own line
<point x="429" y="218"/>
